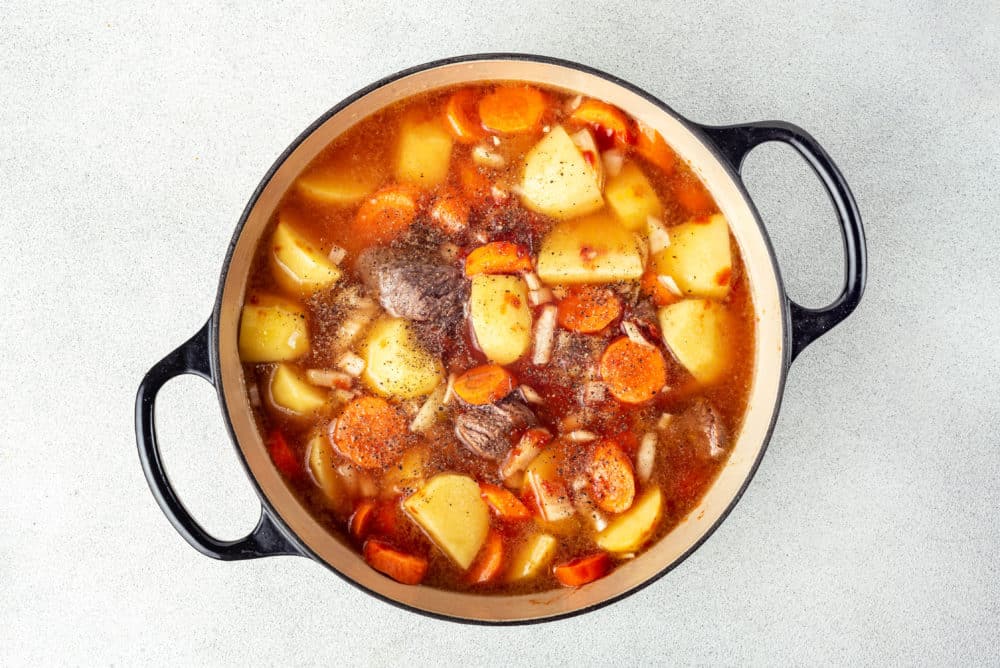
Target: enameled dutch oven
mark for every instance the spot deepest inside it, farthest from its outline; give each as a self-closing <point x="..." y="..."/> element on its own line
<point x="783" y="329"/>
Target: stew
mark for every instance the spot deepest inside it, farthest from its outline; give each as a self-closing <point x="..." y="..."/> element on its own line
<point x="499" y="338"/>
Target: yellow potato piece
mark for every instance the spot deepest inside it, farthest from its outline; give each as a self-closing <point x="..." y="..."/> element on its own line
<point x="290" y="391"/>
<point x="452" y="513"/>
<point x="697" y="333"/>
<point x="272" y="330"/>
<point x="423" y="153"/>
<point x="406" y="475"/>
<point x="532" y="557"/>
<point x="322" y="466"/>
<point x="594" y="249"/>
<point x="298" y="265"/>
<point x="338" y="182"/>
<point x="558" y="181"/>
<point x="396" y="365"/>
<point x="630" y="530"/>
<point x="631" y="197"/>
<point x="501" y="316"/>
<point x="699" y="258"/>
<point x="542" y="477"/>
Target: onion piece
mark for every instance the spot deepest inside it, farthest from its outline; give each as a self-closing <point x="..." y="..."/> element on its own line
<point x="521" y="455"/>
<point x="499" y="194"/>
<point x="449" y="390"/>
<point x="581" y="436"/>
<point x="540" y="296"/>
<point x="329" y="378"/>
<point x="545" y="330"/>
<point x="530" y="395"/>
<point x="613" y="160"/>
<point x="343" y="396"/>
<point x="584" y="141"/>
<point x="254" y="393"/>
<point x="357" y="482"/>
<point x="336" y="254"/>
<point x="659" y="238"/>
<point x="362" y="314"/>
<point x="664" y="421"/>
<point x="430" y="411"/>
<point x="645" y="456"/>
<point x="482" y="155"/>
<point x="589" y="512"/>
<point x="573" y="103"/>
<point x="496" y="140"/>
<point x="532" y="281"/>
<point x="594" y="391"/>
<point x="632" y="331"/>
<point x="351" y="363"/>
<point x="670" y="284"/>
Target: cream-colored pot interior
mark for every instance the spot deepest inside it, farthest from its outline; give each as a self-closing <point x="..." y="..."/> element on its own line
<point x="764" y="396"/>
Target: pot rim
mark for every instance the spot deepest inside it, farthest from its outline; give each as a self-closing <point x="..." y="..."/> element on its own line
<point x="214" y="341"/>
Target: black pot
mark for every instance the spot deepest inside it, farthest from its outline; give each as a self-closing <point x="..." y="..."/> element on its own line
<point x="784" y="329"/>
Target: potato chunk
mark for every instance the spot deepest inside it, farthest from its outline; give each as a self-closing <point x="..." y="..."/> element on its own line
<point x="697" y="333"/>
<point x="632" y="198"/>
<point x="699" y="258"/>
<point x="396" y="365"/>
<point x="594" y="249"/>
<point x="272" y="329"/>
<point x="532" y="557"/>
<point x="423" y="153"/>
<point x="501" y="318"/>
<point x="292" y="392"/>
<point x="339" y="182"/>
<point x="297" y="264"/>
<point x="323" y="468"/>
<point x="627" y="532"/>
<point x="558" y="180"/>
<point x="452" y="513"/>
<point x="542" y="478"/>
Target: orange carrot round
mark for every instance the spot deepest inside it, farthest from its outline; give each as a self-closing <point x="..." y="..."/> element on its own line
<point x="369" y="432"/>
<point x="612" y="480"/>
<point x="512" y="109"/>
<point x="400" y="566"/>
<point x="498" y="257"/>
<point x="451" y="213"/>
<point x="487" y="565"/>
<point x="283" y="456"/>
<point x="589" y="309"/>
<point x="484" y="384"/>
<point x="359" y="526"/>
<point x="384" y="215"/>
<point x="651" y="286"/>
<point x="633" y="372"/>
<point x="650" y="145"/>
<point x="503" y="502"/>
<point x="462" y="116"/>
<point x="582" y="570"/>
<point x="609" y="123"/>
<point x="474" y="184"/>
<point x="693" y="196"/>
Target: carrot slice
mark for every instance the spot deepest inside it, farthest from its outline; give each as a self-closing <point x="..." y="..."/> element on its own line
<point x="650" y="145"/>
<point x="370" y="432"/>
<point x="474" y="184"/>
<point x="589" y="309"/>
<point x="512" y="109"/>
<point x="484" y="384"/>
<point x="360" y="524"/>
<point x="283" y="456"/>
<point x="488" y="564"/>
<point x="400" y="566"/>
<point x="609" y="123"/>
<point x="612" y="480"/>
<point x="633" y="372"/>
<point x="384" y="215"/>
<point x="693" y="196"/>
<point x="652" y="287"/>
<point x="582" y="570"/>
<point x="451" y="213"/>
<point x="498" y="257"/>
<point x="462" y="116"/>
<point x="503" y="502"/>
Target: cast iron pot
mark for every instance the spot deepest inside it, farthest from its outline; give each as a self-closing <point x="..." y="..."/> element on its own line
<point x="783" y="329"/>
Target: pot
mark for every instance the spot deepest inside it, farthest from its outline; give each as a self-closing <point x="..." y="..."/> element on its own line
<point x="784" y="328"/>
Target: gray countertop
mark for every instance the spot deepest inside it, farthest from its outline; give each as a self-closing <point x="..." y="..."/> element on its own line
<point x="129" y="144"/>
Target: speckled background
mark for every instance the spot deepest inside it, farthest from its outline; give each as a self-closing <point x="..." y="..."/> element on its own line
<point x="129" y="143"/>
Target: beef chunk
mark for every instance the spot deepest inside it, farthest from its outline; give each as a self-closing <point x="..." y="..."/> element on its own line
<point x="410" y="285"/>
<point x="575" y="358"/>
<point x="700" y="429"/>
<point x="490" y="430"/>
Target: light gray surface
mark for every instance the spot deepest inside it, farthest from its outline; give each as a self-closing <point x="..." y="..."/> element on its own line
<point x="129" y="144"/>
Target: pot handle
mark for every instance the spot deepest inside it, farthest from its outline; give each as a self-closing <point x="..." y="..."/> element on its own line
<point x="735" y="142"/>
<point x="193" y="357"/>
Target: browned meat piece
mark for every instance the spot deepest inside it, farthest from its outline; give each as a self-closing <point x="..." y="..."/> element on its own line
<point x="575" y="358"/>
<point x="490" y="431"/>
<point x="700" y="429"/>
<point x="413" y="287"/>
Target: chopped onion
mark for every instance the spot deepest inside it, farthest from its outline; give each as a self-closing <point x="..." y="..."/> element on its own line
<point x="430" y="411"/>
<point x="589" y="512"/>
<point x="545" y="330"/>
<point x="351" y="363"/>
<point x="343" y="396"/>
<point x="594" y="391"/>
<point x="670" y="284"/>
<point x="499" y="195"/>
<point x="581" y="436"/>
<point x="579" y="483"/>
<point x="645" y="457"/>
<point x="487" y="158"/>
<point x="531" y="396"/>
<point x="449" y="251"/>
<point x="336" y="254"/>
<point x="449" y="390"/>
<point x="254" y="393"/>
<point x="633" y="333"/>
<point x="520" y="456"/>
<point x="496" y="140"/>
<point x="540" y="296"/>
<point x="329" y="378"/>
<point x="584" y="141"/>
<point x="532" y="280"/>
<point x="613" y="160"/>
<point x="572" y="104"/>
<point x="664" y="421"/>
<point x="545" y="129"/>
<point x="363" y="312"/>
<point x="570" y="422"/>
<point x="480" y="236"/>
<point x="357" y="482"/>
<point x="659" y="238"/>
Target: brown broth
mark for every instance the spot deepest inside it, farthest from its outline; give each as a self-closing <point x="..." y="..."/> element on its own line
<point x="682" y="474"/>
